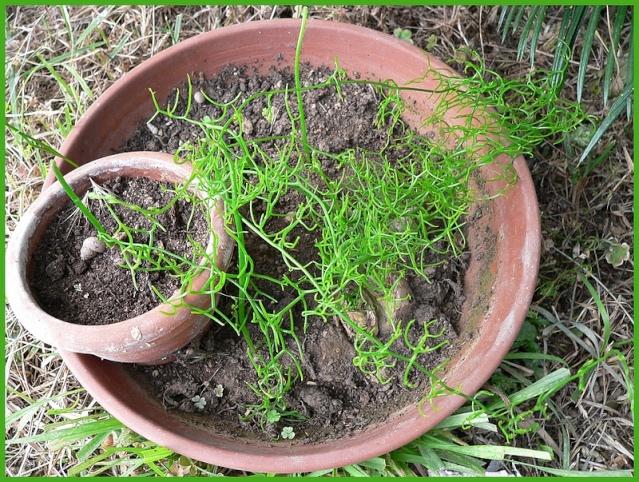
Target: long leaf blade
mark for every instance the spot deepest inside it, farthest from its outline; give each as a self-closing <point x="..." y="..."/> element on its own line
<point x="541" y="16"/>
<point x="615" y="110"/>
<point x="611" y="60"/>
<point x="568" y="30"/>
<point x="630" y="77"/>
<point x="508" y="22"/>
<point x="525" y="32"/>
<point x="595" y="16"/>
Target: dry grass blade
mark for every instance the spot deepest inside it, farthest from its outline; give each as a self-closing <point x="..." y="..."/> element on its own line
<point x="612" y="61"/>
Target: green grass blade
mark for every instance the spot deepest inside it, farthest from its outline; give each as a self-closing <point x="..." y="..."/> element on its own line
<point x="67" y="22"/>
<point x="376" y="463"/>
<point x="430" y="460"/>
<point x="146" y="455"/>
<point x="93" y="25"/>
<point x="615" y="110"/>
<point x="576" y="19"/>
<point x="177" y="28"/>
<point x="595" y="16"/>
<point x="570" y="23"/>
<point x="493" y="452"/>
<point x="611" y="60"/>
<point x="72" y="434"/>
<point x="77" y="201"/>
<point x="502" y="16"/>
<point x="65" y="57"/>
<point x="92" y="463"/>
<point x="630" y="77"/>
<point x="33" y="406"/>
<point x="39" y="145"/>
<point x="507" y="24"/>
<point x="561" y="50"/>
<point x="581" y="473"/>
<point x="118" y="48"/>
<point x="548" y="384"/>
<point x="460" y="420"/>
<point x="88" y="448"/>
<point x="460" y="462"/>
<point x="78" y="77"/>
<point x="520" y="14"/>
<point x="536" y="356"/>
<point x="354" y="471"/>
<point x="605" y="318"/>
<point x="71" y="95"/>
<point x="541" y="16"/>
<point x="523" y="38"/>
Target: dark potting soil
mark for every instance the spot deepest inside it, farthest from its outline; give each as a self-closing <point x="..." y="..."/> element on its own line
<point x="336" y="398"/>
<point x="98" y="290"/>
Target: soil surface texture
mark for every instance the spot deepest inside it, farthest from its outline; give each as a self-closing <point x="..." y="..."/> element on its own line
<point x="97" y="290"/>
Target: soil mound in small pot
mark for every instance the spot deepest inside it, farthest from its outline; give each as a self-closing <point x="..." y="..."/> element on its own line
<point x="100" y="289"/>
<point x="213" y="382"/>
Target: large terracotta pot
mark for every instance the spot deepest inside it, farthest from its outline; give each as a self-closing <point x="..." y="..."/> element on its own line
<point x="504" y="241"/>
<point x="148" y="338"/>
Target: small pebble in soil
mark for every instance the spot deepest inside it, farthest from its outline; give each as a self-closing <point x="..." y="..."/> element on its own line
<point x="198" y="97"/>
<point x="154" y="130"/>
<point x="91" y="247"/>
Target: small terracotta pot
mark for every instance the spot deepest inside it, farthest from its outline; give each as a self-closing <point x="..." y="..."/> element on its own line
<point x="147" y="338"/>
<point x="504" y="240"/>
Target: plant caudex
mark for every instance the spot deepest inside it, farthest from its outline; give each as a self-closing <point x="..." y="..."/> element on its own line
<point x="372" y="224"/>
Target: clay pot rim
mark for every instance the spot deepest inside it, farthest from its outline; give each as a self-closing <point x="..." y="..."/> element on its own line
<point x="47" y="327"/>
<point x="379" y="440"/>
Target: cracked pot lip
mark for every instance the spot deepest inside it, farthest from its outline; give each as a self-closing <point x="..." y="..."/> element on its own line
<point x="511" y="272"/>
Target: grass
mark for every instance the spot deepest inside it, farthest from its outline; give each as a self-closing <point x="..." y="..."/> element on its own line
<point x="581" y="319"/>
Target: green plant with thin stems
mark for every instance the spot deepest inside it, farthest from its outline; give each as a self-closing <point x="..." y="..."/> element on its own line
<point x="223" y="167"/>
<point x="582" y="22"/>
<point x="421" y="197"/>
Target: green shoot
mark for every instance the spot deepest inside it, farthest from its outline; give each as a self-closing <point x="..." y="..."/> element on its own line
<point x="298" y="85"/>
<point x="78" y="202"/>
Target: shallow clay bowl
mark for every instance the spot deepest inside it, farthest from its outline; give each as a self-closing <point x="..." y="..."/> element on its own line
<point x="504" y="240"/>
